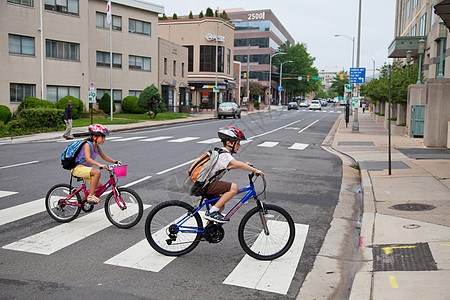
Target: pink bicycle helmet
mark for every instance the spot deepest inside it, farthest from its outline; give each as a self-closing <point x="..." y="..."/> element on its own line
<point x="231" y="133"/>
<point x="98" y="129"/>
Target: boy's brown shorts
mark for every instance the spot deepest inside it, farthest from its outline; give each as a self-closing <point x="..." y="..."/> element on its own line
<point x="217" y="188"/>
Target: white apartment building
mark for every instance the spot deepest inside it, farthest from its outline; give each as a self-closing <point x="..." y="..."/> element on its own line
<point x="63" y="46"/>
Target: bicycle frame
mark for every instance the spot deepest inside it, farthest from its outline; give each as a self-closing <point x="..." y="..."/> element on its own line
<point x="250" y="193"/>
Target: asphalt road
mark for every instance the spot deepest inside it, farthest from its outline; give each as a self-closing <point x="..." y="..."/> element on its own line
<point x="302" y="178"/>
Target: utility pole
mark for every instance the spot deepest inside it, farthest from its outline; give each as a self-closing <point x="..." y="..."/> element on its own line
<point x="355" y="126"/>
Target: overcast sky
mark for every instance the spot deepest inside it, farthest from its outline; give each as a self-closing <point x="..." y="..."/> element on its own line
<point x="315" y="22"/>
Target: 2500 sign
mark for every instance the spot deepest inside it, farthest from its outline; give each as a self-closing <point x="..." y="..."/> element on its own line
<point x="257" y="16"/>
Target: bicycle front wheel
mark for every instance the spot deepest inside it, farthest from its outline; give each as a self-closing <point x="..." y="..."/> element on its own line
<point x="59" y="206"/>
<point x="126" y="210"/>
<point x="172" y="230"/>
<point x="269" y="245"/>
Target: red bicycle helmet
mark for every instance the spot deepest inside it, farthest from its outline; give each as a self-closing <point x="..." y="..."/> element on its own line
<point x="231" y="133"/>
<point x="98" y="129"/>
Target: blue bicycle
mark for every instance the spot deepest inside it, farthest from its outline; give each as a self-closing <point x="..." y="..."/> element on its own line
<point x="265" y="232"/>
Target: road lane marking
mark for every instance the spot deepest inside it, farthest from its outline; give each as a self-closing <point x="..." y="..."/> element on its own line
<point x="393" y="282"/>
<point x="210" y="141"/>
<point x="61" y="236"/>
<point x="21" y="164"/>
<point x="268" y="144"/>
<point x="176" y="167"/>
<point x="298" y="146"/>
<point x="21" y="211"/>
<point x="273" y="276"/>
<point x="309" y="126"/>
<point x="185" y="139"/>
<point x="158" y="138"/>
<point x="137" y="181"/>
<point x="129" y="139"/>
<point x="7" y="193"/>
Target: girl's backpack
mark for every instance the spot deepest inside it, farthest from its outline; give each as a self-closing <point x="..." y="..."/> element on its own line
<point x="69" y="156"/>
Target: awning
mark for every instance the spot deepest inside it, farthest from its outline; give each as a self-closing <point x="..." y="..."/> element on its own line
<point x="401" y="44"/>
<point x="443" y="10"/>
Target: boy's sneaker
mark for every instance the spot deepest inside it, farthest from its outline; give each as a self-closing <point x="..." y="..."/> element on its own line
<point x="216" y="217"/>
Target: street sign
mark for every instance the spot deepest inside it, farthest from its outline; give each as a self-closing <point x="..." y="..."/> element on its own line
<point x="316" y="78"/>
<point x="92" y="87"/>
<point x="92" y="97"/>
<point x="215" y="89"/>
<point x="300" y="78"/>
<point x="280" y="88"/>
<point x="354" y="102"/>
<point x="347" y="88"/>
<point x="357" y="75"/>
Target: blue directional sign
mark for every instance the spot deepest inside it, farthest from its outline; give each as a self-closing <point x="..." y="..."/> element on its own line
<point x="280" y="88"/>
<point x="357" y="75"/>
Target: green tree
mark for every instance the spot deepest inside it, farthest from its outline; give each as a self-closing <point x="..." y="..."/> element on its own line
<point x="191" y="16"/>
<point x="174" y="16"/>
<point x="321" y="93"/>
<point x="224" y="15"/>
<point x="301" y="65"/>
<point x="209" y="12"/>
<point x="151" y="100"/>
<point x="338" y="84"/>
<point x="201" y="14"/>
<point x="105" y="104"/>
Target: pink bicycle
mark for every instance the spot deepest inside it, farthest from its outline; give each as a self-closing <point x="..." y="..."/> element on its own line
<point x="123" y="206"/>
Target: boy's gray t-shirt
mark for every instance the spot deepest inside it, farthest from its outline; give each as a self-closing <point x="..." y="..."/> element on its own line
<point x="221" y="164"/>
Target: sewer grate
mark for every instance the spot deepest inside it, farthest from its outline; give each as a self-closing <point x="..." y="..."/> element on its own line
<point x="403" y="257"/>
<point x="412" y="207"/>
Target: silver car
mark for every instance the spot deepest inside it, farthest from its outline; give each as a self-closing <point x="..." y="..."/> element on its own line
<point x="229" y="109"/>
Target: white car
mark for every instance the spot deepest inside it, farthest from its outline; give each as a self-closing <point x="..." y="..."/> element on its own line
<point x="315" y="104"/>
<point x="304" y="103"/>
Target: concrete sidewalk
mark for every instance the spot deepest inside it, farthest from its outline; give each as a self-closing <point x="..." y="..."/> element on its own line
<point x="404" y="246"/>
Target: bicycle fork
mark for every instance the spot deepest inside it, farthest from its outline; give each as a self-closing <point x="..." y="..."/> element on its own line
<point x="262" y="215"/>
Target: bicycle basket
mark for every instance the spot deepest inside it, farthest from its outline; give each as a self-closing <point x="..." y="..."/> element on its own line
<point x="121" y="171"/>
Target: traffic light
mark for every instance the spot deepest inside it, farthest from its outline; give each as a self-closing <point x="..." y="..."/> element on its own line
<point x="341" y="76"/>
<point x="323" y="78"/>
<point x="245" y="74"/>
<point x="307" y="78"/>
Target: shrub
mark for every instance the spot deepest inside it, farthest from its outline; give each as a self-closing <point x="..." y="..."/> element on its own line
<point x="105" y="104"/>
<point x="40" y="117"/>
<point x="77" y="105"/>
<point x="129" y="105"/>
<point x="5" y="113"/>
<point x="151" y="100"/>
<point x="32" y="102"/>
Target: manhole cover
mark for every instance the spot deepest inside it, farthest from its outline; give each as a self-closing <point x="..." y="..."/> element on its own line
<point x="412" y="207"/>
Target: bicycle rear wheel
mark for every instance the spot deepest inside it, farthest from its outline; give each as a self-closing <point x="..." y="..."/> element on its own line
<point x="163" y="233"/>
<point x="59" y="206"/>
<point x="132" y="208"/>
<point x="274" y="243"/>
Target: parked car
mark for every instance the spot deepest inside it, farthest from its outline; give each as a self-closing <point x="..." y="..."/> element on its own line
<point x="228" y="109"/>
<point x="315" y="104"/>
<point x="304" y="103"/>
<point x="292" y="105"/>
<point x="323" y="102"/>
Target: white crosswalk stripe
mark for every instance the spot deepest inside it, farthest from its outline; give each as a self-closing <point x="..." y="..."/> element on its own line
<point x="268" y="144"/>
<point x="185" y="139"/>
<point x="210" y="141"/>
<point x="21" y="211"/>
<point x="275" y="275"/>
<point x="129" y="139"/>
<point x="298" y="146"/>
<point x="157" y="138"/>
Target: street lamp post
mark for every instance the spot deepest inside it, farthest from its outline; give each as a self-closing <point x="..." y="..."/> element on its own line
<point x="353" y="46"/>
<point x="373" y="70"/>
<point x="442" y="38"/>
<point x="281" y="75"/>
<point x="270" y="76"/>
<point x="421" y="51"/>
<point x="408" y="60"/>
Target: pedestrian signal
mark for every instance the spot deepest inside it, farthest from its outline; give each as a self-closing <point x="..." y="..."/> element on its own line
<point x="307" y="78"/>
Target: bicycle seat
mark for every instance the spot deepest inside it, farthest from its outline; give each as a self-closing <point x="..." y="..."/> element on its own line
<point x="78" y="178"/>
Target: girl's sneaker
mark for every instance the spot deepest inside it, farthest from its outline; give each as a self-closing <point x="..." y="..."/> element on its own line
<point x="94" y="199"/>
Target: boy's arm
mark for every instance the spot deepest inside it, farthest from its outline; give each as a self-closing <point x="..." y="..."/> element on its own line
<point x="236" y="164"/>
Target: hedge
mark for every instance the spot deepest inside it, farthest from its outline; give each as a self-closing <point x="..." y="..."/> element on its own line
<point x="129" y="105"/>
<point x="5" y="113"/>
<point x="77" y="105"/>
<point x="32" y="102"/>
<point x="40" y="117"/>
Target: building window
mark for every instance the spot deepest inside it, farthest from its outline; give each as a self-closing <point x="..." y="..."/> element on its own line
<point x="208" y="58"/>
<point x="423" y="25"/>
<point x="134" y="93"/>
<point x="414" y="30"/>
<point x="63" y="6"/>
<point x="228" y="60"/>
<point x="22" y="2"/>
<point x="20" y="91"/>
<point x="140" y="27"/>
<point x="55" y="93"/>
<point x="174" y="68"/>
<point x="190" y="58"/>
<point x="21" y="44"/>
<point x="414" y="4"/>
<point x="408" y="8"/>
<point x="165" y="66"/>
<point x="431" y="17"/>
<point x="139" y="63"/>
<point x="102" y="23"/>
<point x="117" y="94"/>
<point x="103" y="59"/>
<point x="182" y="69"/>
<point x="62" y="50"/>
<point x="262" y="59"/>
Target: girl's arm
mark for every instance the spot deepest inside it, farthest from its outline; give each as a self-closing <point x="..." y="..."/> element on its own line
<point x="87" y="156"/>
<point x="106" y="157"/>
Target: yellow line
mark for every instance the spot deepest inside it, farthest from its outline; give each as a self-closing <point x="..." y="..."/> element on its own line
<point x="445" y="244"/>
<point x="388" y="250"/>
<point x="393" y="281"/>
